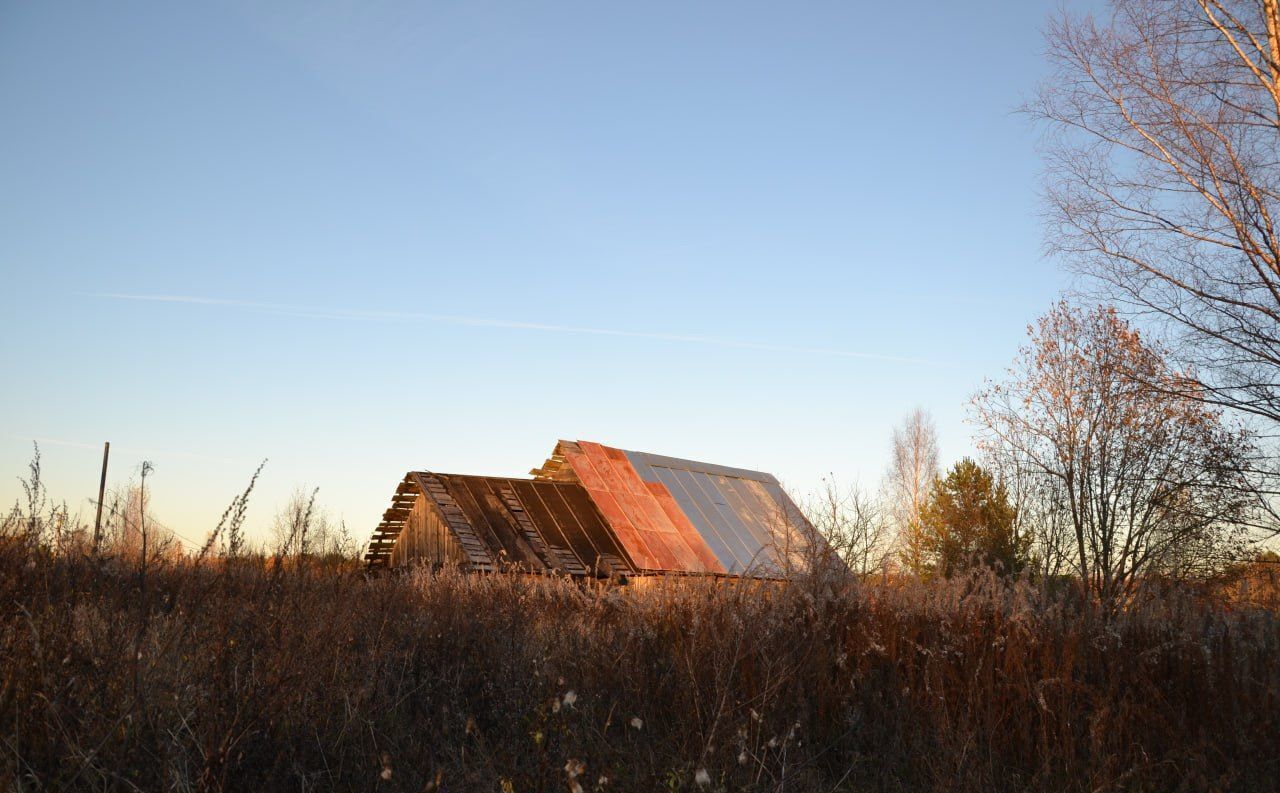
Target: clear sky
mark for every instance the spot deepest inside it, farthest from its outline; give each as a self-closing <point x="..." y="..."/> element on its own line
<point x="358" y="238"/>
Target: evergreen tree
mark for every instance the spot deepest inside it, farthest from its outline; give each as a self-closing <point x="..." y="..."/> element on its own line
<point x="968" y="520"/>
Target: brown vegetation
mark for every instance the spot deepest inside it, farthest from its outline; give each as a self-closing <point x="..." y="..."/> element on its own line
<point x="258" y="674"/>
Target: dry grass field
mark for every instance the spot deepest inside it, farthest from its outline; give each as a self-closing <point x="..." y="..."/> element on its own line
<point x="260" y="675"/>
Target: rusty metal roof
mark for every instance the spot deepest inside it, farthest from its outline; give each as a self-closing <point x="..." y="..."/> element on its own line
<point x="593" y="509"/>
<point x="745" y="516"/>
<point x="676" y="515"/>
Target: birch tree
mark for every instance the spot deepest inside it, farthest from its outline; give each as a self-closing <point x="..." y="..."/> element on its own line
<point x="1163" y="146"/>
<point x="913" y="468"/>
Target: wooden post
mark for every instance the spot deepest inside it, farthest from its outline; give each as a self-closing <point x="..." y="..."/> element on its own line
<point x="102" y="494"/>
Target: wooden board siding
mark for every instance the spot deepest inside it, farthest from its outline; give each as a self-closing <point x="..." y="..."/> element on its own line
<point x="387" y="533"/>
<point x="491" y="523"/>
<point x="483" y="510"/>
<point x="586" y="532"/>
<point x="426" y="537"/>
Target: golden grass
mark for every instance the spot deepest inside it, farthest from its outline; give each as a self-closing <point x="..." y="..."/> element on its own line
<point x="253" y="676"/>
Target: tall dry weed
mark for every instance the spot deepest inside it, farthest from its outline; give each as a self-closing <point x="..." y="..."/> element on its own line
<point x="253" y="674"/>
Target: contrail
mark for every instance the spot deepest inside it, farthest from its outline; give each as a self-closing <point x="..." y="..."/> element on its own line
<point x="311" y="312"/>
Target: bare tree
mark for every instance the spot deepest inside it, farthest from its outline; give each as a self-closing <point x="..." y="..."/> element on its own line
<point x="1151" y="479"/>
<point x="302" y="528"/>
<point x="1042" y="512"/>
<point x="1164" y="172"/>
<point x="343" y="544"/>
<point x="913" y="468"/>
<point x="855" y="525"/>
<point x="133" y="531"/>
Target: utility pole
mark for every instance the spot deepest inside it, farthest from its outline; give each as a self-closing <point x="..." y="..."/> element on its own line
<point x="142" y="588"/>
<point x="142" y="525"/>
<point x="102" y="494"/>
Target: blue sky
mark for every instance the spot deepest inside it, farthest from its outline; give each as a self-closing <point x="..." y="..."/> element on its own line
<point x="360" y="238"/>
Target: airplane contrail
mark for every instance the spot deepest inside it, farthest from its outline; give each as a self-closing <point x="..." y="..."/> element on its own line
<point x="311" y="312"/>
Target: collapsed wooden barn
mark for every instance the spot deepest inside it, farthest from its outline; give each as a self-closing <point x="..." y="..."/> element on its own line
<point x="596" y="511"/>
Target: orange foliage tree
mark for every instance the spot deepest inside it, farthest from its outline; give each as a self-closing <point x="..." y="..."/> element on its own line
<point x="1153" y="481"/>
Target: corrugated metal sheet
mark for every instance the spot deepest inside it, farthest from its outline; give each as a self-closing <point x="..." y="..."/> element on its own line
<point x="657" y="537"/>
<point x="745" y="516"/>
<point x="675" y="515"/>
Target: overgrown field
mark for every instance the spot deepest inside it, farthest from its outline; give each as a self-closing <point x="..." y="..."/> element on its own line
<point x="254" y="676"/>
